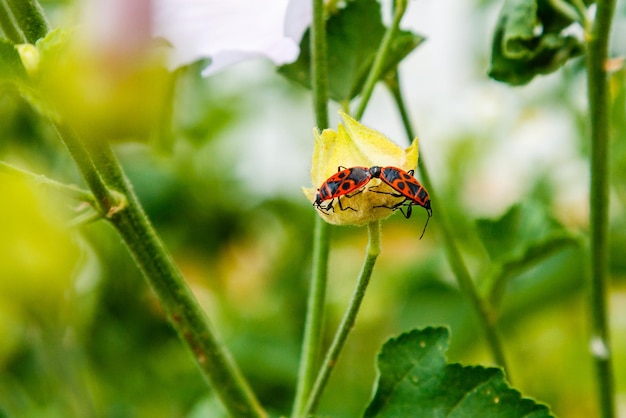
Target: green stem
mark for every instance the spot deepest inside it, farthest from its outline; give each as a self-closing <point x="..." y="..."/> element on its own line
<point x="179" y="304"/>
<point x="485" y="316"/>
<point x="106" y="199"/>
<point x="349" y="318"/>
<point x="8" y="24"/>
<point x="311" y="341"/>
<point x="599" y="109"/>
<point x="567" y="10"/>
<point x="381" y="56"/>
<point x="30" y="18"/>
<point x="72" y="191"/>
<point x="319" y="64"/>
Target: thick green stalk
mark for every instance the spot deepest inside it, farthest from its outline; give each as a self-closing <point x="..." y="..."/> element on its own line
<point x="9" y="26"/>
<point x="311" y="341"/>
<point x="348" y="320"/>
<point x="599" y="112"/>
<point x="175" y="297"/>
<point x="105" y="197"/>
<point x="319" y="64"/>
<point x="29" y="18"/>
<point x="379" y="60"/>
<point x="462" y="274"/>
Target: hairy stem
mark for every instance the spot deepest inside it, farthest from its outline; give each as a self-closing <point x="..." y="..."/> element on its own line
<point x="466" y="284"/>
<point x="9" y="26"/>
<point x="180" y="306"/>
<point x="381" y="56"/>
<point x="348" y="320"/>
<point x="599" y="110"/>
<point x="105" y="197"/>
<point x="311" y="341"/>
<point x="69" y="190"/>
<point x="29" y="17"/>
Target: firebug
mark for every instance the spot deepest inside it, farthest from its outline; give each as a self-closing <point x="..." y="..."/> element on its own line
<point x="406" y="187"/>
<point x="342" y="183"/>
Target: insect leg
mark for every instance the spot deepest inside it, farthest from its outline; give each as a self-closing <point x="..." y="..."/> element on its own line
<point x="409" y="209"/>
<point x="341" y="206"/>
<point x="389" y="193"/>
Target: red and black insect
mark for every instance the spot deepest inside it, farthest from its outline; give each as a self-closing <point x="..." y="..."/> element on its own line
<point x="407" y="187"/>
<point x="342" y="183"/>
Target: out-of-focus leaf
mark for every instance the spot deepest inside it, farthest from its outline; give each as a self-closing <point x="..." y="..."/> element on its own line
<point x="202" y="109"/>
<point x="11" y="68"/>
<point x="102" y="96"/>
<point x="415" y="381"/>
<point x="529" y="40"/>
<point x="514" y="232"/>
<point x="521" y="238"/>
<point x="38" y="252"/>
<point x="50" y="50"/>
<point x="354" y="35"/>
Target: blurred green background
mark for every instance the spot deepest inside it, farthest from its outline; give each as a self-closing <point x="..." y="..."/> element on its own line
<point x="82" y="335"/>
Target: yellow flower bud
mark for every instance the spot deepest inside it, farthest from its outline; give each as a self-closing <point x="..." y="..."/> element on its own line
<point x="30" y="57"/>
<point x="353" y="145"/>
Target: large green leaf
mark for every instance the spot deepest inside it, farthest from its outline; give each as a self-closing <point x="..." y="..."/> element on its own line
<point x="416" y="381"/>
<point x="354" y="35"/>
<point x="529" y="40"/>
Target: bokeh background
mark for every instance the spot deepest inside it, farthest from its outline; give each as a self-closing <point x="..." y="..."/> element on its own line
<point x="82" y="335"/>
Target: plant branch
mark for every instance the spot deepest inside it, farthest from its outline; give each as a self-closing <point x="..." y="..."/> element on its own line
<point x="70" y="190"/>
<point x="485" y="316"/>
<point x="568" y="11"/>
<point x="381" y="56"/>
<point x="349" y="318"/>
<point x="180" y="306"/>
<point x="30" y="18"/>
<point x="599" y="112"/>
<point x="319" y="64"/>
<point x="9" y="26"/>
<point x="106" y="199"/>
<point x="311" y="341"/>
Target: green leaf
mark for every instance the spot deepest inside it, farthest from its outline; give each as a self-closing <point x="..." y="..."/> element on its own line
<point x="353" y="36"/>
<point x="519" y="240"/>
<point x="512" y="233"/>
<point x="415" y="381"/>
<point x="50" y="49"/>
<point x="529" y="40"/>
<point x="11" y="68"/>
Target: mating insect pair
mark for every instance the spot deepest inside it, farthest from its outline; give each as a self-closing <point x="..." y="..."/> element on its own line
<point x="351" y="181"/>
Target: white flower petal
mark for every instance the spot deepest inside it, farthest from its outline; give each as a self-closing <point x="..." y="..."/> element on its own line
<point x="227" y="32"/>
<point x="298" y="18"/>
